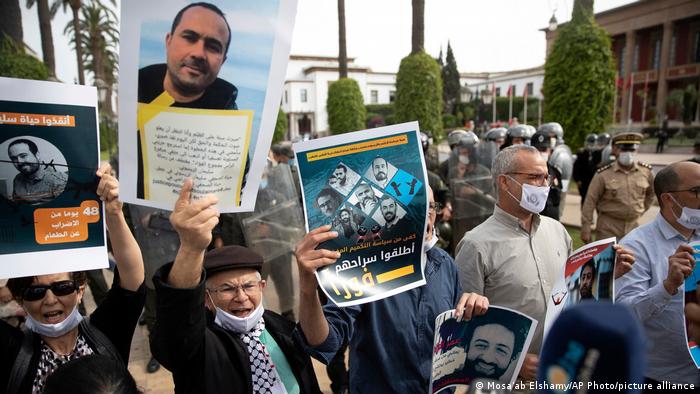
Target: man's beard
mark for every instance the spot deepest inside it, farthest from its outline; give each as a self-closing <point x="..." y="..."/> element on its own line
<point x="586" y="292"/>
<point x="381" y="175"/>
<point x="192" y="85"/>
<point x="369" y="202"/>
<point x="33" y="168"/>
<point x="470" y="370"/>
<point x="389" y="217"/>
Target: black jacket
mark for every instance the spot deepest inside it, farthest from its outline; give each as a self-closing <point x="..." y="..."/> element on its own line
<point x="205" y="358"/>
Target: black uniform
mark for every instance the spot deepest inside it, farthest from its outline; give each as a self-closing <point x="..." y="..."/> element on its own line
<point x="585" y="166"/>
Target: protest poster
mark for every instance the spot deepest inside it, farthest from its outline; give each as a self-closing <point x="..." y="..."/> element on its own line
<point x="589" y="275"/>
<point x="691" y="291"/>
<point x="491" y="346"/>
<point x="50" y="217"/>
<point x="199" y="92"/>
<point x="371" y="187"/>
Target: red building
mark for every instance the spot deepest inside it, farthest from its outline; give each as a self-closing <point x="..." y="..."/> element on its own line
<point x="656" y="45"/>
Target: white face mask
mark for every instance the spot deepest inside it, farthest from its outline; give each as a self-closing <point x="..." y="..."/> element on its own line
<point x="544" y="156"/>
<point x="55" y="330"/>
<point x="464" y="159"/>
<point x="690" y="217"/>
<point x="427" y="245"/>
<point x="533" y="198"/>
<point x="236" y="324"/>
<point x="626" y="158"/>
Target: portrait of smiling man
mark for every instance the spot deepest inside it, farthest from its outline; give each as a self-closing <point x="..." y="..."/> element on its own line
<point x="196" y="47"/>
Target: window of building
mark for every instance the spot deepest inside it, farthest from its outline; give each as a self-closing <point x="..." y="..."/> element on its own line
<point x="657" y="54"/>
<point x="373" y="96"/>
<point x="635" y="58"/>
<point x="285" y="97"/>
<point x="392" y="96"/>
<point x="696" y="47"/>
<point x="303" y="95"/>
<point x="498" y="92"/>
<point x="529" y="88"/>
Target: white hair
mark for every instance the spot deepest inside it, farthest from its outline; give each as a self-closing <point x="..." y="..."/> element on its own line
<point x="504" y="163"/>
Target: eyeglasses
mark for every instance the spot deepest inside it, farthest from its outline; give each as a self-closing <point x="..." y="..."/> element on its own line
<point x="249" y="288"/>
<point x="434" y="206"/>
<point x="537" y="179"/>
<point x="695" y="190"/>
<point x="61" y="288"/>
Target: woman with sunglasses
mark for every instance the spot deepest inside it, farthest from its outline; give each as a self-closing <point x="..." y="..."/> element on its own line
<point x="55" y="332"/>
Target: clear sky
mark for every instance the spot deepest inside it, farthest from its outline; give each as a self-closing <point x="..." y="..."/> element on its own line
<point x="485" y="35"/>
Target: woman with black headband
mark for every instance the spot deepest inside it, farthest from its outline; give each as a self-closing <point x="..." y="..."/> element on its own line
<point x="55" y="331"/>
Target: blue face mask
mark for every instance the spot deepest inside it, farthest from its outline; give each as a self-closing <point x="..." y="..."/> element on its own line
<point x="263" y="183"/>
<point x="292" y="162"/>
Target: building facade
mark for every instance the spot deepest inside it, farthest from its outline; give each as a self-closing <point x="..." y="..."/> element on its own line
<point x="656" y="45"/>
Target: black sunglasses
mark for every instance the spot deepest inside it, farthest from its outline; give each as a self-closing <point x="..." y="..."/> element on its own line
<point x="60" y="288"/>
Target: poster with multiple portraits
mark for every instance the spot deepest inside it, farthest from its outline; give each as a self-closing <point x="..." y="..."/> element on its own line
<point x="491" y="346"/>
<point x="370" y="186"/>
<point x="50" y="217"/>
<point x="691" y="295"/>
<point x="589" y="275"/>
<point x="199" y="91"/>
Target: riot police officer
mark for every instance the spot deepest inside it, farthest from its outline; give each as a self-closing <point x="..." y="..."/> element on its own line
<point x="471" y="187"/>
<point x="488" y="149"/>
<point x="542" y="143"/>
<point x="561" y="157"/>
<point x="452" y="140"/>
<point x="606" y="155"/>
<point x="518" y="134"/>
<point x="586" y="164"/>
<point x="440" y="189"/>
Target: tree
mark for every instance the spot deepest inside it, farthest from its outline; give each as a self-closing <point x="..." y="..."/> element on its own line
<point x="418" y="26"/>
<point x="579" y="77"/>
<point x="418" y="82"/>
<point x="75" y="6"/>
<point x="342" y="46"/>
<point x="685" y="101"/>
<point x="46" y="35"/>
<point x="450" y="82"/>
<point x="98" y="36"/>
<point x="15" y="63"/>
<point x="280" y="127"/>
<point x="345" y="105"/>
<point x="11" y="21"/>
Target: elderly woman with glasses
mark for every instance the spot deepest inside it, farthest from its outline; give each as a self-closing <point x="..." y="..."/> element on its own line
<point x="55" y="331"/>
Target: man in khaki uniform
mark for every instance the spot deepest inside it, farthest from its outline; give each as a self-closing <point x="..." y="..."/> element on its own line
<point x="620" y="191"/>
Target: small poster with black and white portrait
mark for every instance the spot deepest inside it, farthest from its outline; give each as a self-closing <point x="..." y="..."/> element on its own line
<point x="490" y="346"/>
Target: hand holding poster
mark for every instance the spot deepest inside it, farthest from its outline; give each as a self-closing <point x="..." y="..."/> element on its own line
<point x="588" y="275"/>
<point x="492" y="346"/>
<point x="199" y="90"/>
<point x="691" y="291"/>
<point x="370" y="186"/>
<point x="50" y="217"/>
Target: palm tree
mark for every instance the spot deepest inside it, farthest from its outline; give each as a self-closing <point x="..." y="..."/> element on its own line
<point x="99" y="36"/>
<point x="342" y="46"/>
<point x="11" y="21"/>
<point x="45" y="16"/>
<point x="417" y="30"/>
<point x="75" y="6"/>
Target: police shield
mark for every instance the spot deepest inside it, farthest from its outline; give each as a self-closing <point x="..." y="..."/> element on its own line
<point x="471" y="187"/>
<point x="277" y="223"/>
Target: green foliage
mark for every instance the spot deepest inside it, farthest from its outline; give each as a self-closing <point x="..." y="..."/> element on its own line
<point x="345" y="106"/>
<point x="450" y="82"/>
<point x="419" y="93"/>
<point x="449" y="121"/>
<point x="380" y="115"/>
<point x="14" y="63"/>
<point x="280" y="127"/>
<point x="579" y="78"/>
<point x="685" y="101"/>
